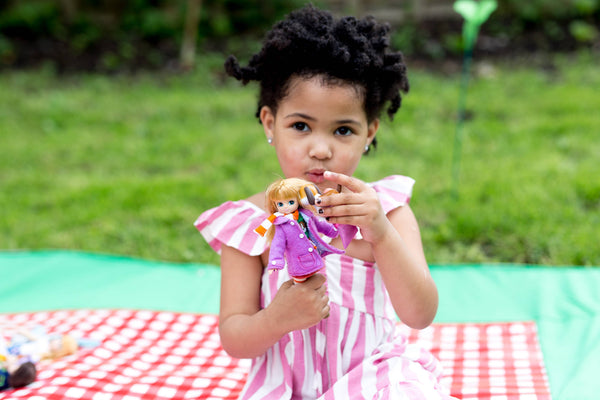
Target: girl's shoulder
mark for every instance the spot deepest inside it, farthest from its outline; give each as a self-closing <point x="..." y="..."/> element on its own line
<point x="258" y="200"/>
<point x="394" y="191"/>
<point x="232" y="223"/>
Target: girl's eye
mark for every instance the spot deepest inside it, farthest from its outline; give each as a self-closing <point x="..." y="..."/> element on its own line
<point x="291" y="202"/>
<point x="300" y="126"/>
<point x="343" y="131"/>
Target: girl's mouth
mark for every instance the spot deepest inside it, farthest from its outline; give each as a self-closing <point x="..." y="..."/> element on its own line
<point x="316" y="175"/>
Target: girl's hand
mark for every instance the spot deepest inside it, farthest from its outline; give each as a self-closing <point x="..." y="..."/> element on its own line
<point x="300" y="305"/>
<point x="359" y="207"/>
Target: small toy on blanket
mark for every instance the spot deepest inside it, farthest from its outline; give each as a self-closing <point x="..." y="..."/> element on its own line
<point x="17" y="377"/>
<point x="293" y="230"/>
<point x="25" y="348"/>
<point x="15" y="371"/>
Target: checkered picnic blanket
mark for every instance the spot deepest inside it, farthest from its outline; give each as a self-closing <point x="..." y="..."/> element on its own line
<point x="168" y="355"/>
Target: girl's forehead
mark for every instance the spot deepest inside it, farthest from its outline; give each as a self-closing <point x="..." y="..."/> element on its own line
<point x="324" y="82"/>
<point x="327" y="100"/>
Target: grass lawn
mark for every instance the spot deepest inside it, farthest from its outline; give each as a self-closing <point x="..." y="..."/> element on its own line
<point x="124" y="165"/>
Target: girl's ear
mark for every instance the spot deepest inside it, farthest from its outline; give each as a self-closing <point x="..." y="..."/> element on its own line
<point x="267" y="118"/>
<point x="372" y="130"/>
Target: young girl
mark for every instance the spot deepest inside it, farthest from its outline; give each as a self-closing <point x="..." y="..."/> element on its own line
<point x="323" y="85"/>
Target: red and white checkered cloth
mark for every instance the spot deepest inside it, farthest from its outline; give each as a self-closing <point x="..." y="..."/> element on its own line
<point x="168" y="355"/>
<point x="495" y="361"/>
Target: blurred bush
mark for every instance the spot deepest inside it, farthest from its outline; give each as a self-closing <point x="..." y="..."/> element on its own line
<point x="566" y="20"/>
<point x="516" y="27"/>
<point x="112" y="35"/>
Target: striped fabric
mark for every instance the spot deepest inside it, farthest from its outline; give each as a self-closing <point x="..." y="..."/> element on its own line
<point x="232" y="224"/>
<point x="356" y="353"/>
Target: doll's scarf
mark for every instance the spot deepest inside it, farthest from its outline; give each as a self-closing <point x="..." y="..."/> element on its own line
<point x="267" y="223"/>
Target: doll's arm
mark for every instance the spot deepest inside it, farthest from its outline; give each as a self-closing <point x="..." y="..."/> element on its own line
<point x="326" y="228"/>
<point x="277" y="250"/>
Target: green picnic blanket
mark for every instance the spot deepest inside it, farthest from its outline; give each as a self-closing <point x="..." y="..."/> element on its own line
<point x="563" y="301"/>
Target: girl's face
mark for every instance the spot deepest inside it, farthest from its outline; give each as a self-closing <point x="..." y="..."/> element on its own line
<point x="319" y="127"/>
<point x="286" y="206"/>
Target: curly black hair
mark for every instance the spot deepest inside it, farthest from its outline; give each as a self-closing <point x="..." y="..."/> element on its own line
<point x="311" y="42"/>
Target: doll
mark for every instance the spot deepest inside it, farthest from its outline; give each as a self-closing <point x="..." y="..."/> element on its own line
<point x="26" y="347"/>
<point x="293" y="230"/>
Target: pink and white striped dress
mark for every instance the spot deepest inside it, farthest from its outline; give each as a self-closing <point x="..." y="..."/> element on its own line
<point x="356" y="353"/>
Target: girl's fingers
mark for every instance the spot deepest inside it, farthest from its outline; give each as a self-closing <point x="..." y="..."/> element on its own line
<point x="353" y="184"/>
<point x="345" y="210"/>
<point x="315" y="281"/>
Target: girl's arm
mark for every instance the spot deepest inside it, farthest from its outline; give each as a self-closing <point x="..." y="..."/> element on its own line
<point x="395" y="242"/>
<point x="248" y="331"/>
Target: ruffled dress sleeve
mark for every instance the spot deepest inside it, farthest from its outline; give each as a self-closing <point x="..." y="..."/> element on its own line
<point x="232" y="224"/>
<point x="394" y="191"/>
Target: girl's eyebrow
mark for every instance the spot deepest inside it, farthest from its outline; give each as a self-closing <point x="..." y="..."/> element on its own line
<point x="296" y="115"/>
<point x="308" y="117"/>
<point x="348" y="121"/>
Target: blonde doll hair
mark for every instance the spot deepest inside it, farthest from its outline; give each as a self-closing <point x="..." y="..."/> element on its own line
<point x="282" y="189"/>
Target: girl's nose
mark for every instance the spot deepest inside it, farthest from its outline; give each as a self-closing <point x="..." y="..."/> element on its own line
<point x="321" y="150"/>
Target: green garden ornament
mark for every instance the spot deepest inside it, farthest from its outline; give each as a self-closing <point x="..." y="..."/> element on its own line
<point x="475" y="14"/>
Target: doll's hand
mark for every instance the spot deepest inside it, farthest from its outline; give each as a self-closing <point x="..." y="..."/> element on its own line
<point x="277" y="263"/>
<point x="358" y="206"/>
<point x="300" y="305"/>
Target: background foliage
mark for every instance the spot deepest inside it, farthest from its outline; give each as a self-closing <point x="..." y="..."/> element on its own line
<point x="112" y="36"/>
<point x="107" y="35"/>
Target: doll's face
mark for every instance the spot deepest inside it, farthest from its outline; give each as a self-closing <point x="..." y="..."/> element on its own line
<point x="319" y="127"/>
<point x="286" y="206"/>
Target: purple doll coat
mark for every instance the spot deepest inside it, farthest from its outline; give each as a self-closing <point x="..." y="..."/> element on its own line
<point x="301" y="255"/>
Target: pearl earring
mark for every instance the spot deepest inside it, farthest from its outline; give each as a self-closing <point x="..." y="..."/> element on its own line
<point x="270" y="140"/>
<point x="367" y="148"/>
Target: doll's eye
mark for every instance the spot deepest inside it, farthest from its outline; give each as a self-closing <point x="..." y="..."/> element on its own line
<point x="279" y="204"/>
<point x="291" y="202"/>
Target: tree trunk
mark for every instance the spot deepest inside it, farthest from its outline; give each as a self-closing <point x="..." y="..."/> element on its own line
<point x="69" y="10"/>
<point x="190" y="33"/>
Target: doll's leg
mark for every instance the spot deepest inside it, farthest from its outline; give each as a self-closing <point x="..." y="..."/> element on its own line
<point x="300" y="279"/>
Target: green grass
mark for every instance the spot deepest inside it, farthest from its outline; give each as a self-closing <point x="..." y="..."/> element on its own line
<point x="125" y="164"/>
